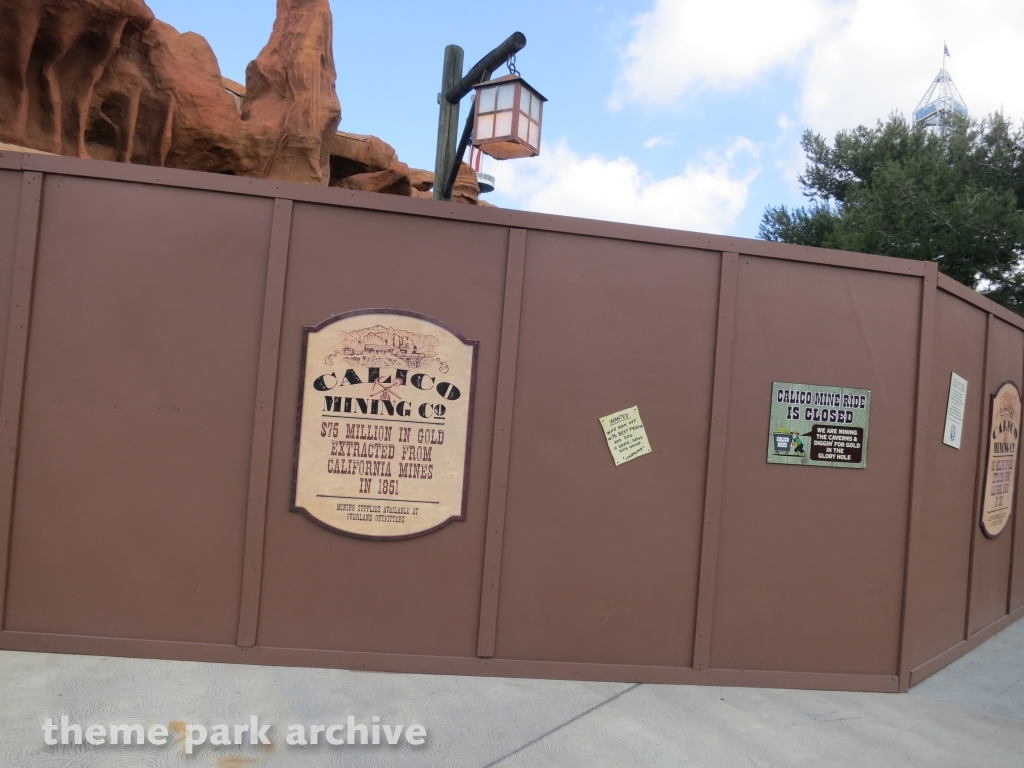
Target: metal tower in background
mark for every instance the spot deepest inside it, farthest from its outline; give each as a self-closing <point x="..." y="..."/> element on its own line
<point x="940" y="101"/>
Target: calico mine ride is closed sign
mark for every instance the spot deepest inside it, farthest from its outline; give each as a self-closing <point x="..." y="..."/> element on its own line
<point x="819" y="426"/>
<point x="384" y="423"/>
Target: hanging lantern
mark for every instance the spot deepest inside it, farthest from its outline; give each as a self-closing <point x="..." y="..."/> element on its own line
<point x="508" y="117"/>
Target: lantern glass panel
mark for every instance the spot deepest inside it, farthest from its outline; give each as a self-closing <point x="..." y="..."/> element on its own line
<point x="535" y="109"/>
<point x="524" y="128"/>
<point x="534" y="140"/>
<point x="506" y="93"/>
<point x="487" y="96"/>
<point x="485" y="126"/>
<point x="503" y="123"/>
<point x="524" y="101"/>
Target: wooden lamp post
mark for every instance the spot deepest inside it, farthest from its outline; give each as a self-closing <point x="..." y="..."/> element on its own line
<point x="508" y="110"/>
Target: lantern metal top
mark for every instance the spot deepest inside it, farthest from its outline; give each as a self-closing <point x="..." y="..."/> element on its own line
<point x="510" y="79"/>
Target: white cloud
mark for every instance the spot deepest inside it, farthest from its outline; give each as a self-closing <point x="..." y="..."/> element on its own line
<point x="855" y="60"/>
<point x="707" y="196"/>
<point x="886" y="54"/>
<point x="660" y="141"/>
<point x="686" y="46"/>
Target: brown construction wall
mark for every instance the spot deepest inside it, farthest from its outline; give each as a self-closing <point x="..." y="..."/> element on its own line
<point x="151" y="336"/>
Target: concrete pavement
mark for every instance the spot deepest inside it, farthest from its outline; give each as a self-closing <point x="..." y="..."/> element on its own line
<point x="970" y="714"/>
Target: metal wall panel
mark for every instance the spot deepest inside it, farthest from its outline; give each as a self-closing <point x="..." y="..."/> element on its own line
<point x="323" y="590"/>
<point x="138" y="411"/>
<point x="811" y="559"/>
<point x="990" y="565"/>
<point x="600" y="562"/>
<point x="936" y="617"/>
<point x="1017" y="571"/>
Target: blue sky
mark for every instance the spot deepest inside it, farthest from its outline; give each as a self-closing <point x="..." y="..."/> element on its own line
<point x="668" y="112"/>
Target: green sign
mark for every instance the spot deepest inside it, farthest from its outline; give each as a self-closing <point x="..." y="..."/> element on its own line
<point x="819" y="426"/>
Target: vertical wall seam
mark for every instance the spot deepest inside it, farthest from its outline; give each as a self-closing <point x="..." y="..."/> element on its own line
<point x="1013" y="523"/>
<point x="502" y="443"/>
<point x="926" y="340"/>
<point x="713" y="485"/>
<point x="263" y="424"/>
<point x="979" y="473"/>
<point x="1013" y="541"/>
<point x="1013" y="532"/>
<point x="16" y="360"/>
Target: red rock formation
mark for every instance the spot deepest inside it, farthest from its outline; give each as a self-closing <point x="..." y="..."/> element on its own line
<point x="52" y="54"/>
<point x="466" y="189"/>
<point x="421" y="181"/>
<point x="368" y="164"/>
<point x="390" y="181"/>
<point x="105" y="79"/>
<point x="290" y="108"/>
<point x="161" y="102"/>
<point x="399" y="179"/>
<point x="353" y="153"/>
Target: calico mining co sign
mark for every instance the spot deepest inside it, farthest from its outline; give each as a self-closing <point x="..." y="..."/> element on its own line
<point x="383" y="432"/>
<point x="1001" y="466"/>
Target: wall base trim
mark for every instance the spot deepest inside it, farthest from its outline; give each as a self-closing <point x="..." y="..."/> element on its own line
<point x="933" y="665"/>
<point x="440" y="665"/>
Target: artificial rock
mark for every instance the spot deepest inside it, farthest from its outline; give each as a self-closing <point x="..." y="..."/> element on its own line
<point x="290" y="108"/>
<point x="105" y="79"/>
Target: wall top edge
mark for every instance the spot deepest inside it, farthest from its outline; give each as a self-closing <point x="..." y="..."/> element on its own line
<point x="11" y="161"/>
<point x="198" y="180"/>
<point x="502" y="217"/>
<point x="961" y="291"/>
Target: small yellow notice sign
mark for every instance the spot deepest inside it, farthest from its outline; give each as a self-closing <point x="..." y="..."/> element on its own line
<point x="626" y="436"/>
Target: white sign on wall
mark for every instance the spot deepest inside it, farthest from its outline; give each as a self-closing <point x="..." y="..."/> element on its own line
<point x="955" y="411"/>
<point x="626" y="436"/>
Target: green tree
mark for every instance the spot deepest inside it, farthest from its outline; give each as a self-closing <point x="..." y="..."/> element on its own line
<point x="955" y="198"/>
